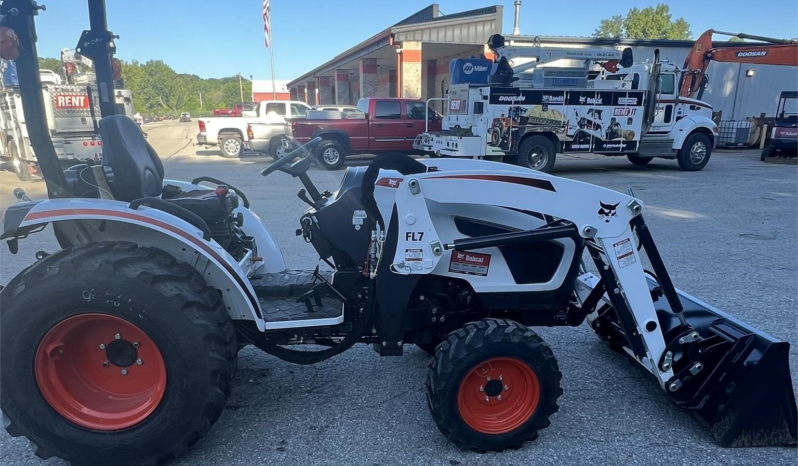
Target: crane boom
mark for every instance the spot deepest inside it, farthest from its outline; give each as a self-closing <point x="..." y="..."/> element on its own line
<point x="782" y="52"/>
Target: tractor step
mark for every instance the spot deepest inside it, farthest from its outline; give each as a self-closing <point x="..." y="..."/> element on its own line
<point x="287" y="283"/>
<point x="281" y="313"/>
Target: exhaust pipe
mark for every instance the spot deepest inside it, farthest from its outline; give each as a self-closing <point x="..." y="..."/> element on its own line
<point x="516" y="28"/>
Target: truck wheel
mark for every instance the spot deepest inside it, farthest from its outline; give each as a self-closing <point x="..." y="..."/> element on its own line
<point x="231" y="145"/>
<point x="537" y="153"/>
<point x="276" y="149"/>
<point x="492" y="385"/>
<point x="637" y="160"/>
<point x="695" y="152"/>
<point x="113" y="354"/>
<point x="330" y="155"/>
<point x="21" y="167"/>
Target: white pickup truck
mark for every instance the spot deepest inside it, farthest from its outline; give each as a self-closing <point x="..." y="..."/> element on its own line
<point x="230" y="134"/>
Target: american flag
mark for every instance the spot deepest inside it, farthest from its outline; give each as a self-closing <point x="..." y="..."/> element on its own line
<point x="267" y="25"/>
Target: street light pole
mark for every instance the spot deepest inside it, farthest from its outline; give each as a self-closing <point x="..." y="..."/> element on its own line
<point x="240" y="88"/>
<point x="252" y="88"/>
<point x="200" y="95"/>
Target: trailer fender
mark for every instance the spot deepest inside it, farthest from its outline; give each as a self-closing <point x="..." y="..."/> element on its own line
<point x="691" y="124"/>
<point x="83" y="221"/>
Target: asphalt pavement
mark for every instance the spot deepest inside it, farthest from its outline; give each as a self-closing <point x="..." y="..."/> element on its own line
<point x="727" y="234"/>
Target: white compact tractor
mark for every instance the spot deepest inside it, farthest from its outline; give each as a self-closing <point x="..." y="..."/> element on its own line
<point x="120" y="347"/>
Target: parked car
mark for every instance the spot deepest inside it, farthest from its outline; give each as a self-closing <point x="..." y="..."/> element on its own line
<point x="184" y="117"/>
<point x="230" y="134"/>
<point x="387" y="125"/>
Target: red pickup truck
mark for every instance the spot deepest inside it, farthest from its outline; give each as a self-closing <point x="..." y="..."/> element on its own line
<point x="381" y="125"/>
<point x="236" y="111"/>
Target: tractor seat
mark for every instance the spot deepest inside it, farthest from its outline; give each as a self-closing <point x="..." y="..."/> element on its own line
<point x="133" y="171"/>
<point x="132" y="167"/>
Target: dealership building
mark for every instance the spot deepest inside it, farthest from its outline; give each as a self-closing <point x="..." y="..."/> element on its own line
<point x="411" y="59"/>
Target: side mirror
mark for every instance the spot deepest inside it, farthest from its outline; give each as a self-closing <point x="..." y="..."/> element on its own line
<point x="9" y="44"/>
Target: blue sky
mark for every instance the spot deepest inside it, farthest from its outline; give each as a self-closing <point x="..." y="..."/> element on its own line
<point x="213" y="38"/>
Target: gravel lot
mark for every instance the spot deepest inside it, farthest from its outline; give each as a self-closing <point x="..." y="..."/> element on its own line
<point x="728" y="236"/>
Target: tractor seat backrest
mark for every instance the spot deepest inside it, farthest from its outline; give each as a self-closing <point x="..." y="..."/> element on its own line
<point x="132" y="167"/>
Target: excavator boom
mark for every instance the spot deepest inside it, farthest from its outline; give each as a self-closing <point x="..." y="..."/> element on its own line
<point x="775" y="52"/>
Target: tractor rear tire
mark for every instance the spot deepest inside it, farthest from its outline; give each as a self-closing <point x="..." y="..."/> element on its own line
<point x="113" y="354"/>
<point x="492" y="385"/>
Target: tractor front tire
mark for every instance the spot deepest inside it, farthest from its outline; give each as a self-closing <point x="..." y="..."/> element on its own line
<point x="113" y="354"/>
<point x="492" y="385"/>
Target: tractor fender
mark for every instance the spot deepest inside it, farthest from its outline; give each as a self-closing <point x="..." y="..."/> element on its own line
<point x="689" y="125"/>
<point x="85" y="221"/>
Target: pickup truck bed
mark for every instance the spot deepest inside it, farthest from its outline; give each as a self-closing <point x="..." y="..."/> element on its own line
<point x="230" y="134"/>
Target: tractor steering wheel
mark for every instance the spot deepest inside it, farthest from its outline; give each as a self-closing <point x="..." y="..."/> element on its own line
<point x="291" y="156"/>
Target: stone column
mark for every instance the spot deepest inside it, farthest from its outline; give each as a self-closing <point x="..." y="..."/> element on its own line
<point x="342" y="87"/>
<point x="311" y="95"/>
<point x="410" y="72"/>
<point x="368" y="77"/>
<point x="325" y="90"/>
<point x="300" y="94"/>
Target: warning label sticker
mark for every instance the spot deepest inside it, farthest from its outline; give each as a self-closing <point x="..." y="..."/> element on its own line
<point x="469" y="263"/>
<point x="414" y="258"/>
<point x="624" y="252"/>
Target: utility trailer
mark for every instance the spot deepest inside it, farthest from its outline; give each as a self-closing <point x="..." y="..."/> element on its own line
<point x="526" y="119"/>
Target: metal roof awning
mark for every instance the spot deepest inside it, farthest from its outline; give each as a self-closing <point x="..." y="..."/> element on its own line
<point x="427" y="25"/>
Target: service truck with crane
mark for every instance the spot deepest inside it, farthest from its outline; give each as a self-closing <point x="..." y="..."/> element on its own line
<point x="630" y="109"/>
<point x="71" y="111"/>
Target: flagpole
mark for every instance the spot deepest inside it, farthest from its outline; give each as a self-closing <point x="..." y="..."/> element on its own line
<point x="271" y="55"/>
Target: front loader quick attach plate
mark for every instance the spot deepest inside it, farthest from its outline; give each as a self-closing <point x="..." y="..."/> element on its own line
<point x="735" y="379"/>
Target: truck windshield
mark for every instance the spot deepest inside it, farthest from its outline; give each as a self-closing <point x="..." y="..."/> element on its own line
<point x="666" y="83"/>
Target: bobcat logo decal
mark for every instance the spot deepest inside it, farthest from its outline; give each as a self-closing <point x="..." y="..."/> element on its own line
<point x="607" y="211"/>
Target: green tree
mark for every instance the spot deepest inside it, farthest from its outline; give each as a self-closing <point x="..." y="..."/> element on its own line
<point x="52" y="64"/>
<point x="735" y="39"/>
<point x="653" y="22"/>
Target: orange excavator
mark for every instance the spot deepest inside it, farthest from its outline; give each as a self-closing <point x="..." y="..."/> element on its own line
<point x="769" y="51"/>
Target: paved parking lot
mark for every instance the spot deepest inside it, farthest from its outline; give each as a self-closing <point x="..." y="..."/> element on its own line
<point x="728" y="236"/>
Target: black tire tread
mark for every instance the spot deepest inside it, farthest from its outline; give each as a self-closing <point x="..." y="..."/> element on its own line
<point x="163" y="273"/>
<point x="472" y="336"/>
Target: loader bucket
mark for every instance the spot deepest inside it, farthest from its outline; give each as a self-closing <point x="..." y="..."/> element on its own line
<point x="742" y="391"/>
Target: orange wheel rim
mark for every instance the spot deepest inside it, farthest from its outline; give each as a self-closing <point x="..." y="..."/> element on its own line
<point x="498" y="395"/>
<point x="101" y="372"/>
